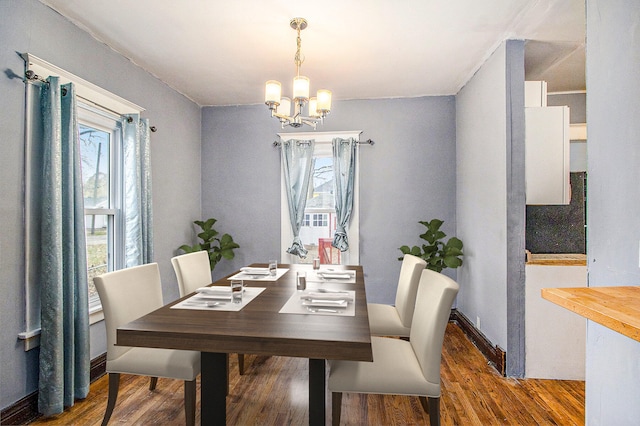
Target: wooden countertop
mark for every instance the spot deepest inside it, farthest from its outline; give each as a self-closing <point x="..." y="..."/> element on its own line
<point x="560" y="259"/>
<point x="617" y="308"/>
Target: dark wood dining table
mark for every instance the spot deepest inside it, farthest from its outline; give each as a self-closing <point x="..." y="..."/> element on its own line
<point x="259" y="328"/>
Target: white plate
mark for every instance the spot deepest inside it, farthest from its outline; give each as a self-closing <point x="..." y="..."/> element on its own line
<point x="325" y="303"/>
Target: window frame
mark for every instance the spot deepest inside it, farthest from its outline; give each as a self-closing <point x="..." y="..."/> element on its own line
<point x="322" y="148"/>
<point x="100" y="119"/>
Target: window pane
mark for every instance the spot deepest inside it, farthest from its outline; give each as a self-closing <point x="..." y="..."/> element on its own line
<point x="319" y="225"/>
<point x="94" y="153"/>
<point x="97" y="231"/>
<point x="95" y="145"/>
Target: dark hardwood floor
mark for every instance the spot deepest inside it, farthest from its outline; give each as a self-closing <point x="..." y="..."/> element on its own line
<point x="274" y="391"/>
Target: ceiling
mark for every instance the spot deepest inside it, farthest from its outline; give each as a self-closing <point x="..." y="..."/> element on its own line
<point x="220" y="52"/>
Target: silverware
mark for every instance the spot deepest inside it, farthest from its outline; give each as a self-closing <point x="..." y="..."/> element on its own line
<point x="326" y="290"/>
<point x="331" y="311"/>
<point x="204" y="304"/>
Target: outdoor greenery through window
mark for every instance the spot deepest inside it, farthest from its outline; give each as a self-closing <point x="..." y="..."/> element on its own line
<point x="98" y="153"/>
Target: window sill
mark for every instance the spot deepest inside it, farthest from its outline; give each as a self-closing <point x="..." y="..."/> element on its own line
<point x="95" y="314"/>
<point x="31" y="339"/>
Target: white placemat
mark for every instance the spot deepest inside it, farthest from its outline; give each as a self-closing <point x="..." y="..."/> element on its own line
<point x="314" y="302"/>
<point x="208" y="302"/>
<point x="328" y="275"/>
<point x="253" y="277"/>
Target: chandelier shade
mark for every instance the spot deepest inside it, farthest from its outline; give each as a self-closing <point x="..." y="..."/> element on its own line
<point x="272" y="92"/>
<point x="318" y="107"/>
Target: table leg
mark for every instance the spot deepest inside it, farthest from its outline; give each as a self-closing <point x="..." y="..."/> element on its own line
<point x="316" y="392"/>
<point x="213" y="388"/>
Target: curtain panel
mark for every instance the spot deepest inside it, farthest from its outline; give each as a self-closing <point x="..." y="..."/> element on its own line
<point x="64" y="316"/>
<point x="344" y="165"/>
<point x="137" y="205"/>
<point x="297" y="166"/>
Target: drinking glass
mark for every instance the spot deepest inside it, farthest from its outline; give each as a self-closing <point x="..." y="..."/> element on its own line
<point x="273" y="267"/>
<point x="301" y="280"/>
<point x="237" y="287"/>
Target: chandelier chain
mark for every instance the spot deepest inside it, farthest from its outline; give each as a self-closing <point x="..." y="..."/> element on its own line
<point x="299" y="58"/>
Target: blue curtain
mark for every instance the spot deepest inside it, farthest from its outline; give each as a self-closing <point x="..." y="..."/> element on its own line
<point x="344" y="166"/>
<point x="297" y="166"/>
<point x="138" y="215"/>
<point x="64" y="338"/>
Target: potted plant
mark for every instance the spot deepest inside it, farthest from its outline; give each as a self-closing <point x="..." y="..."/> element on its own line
<point x="438" y="254"/>
<point x="217" y="248"/>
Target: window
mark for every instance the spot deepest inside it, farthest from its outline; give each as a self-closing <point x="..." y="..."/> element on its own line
<point x="319" y="222"/>
<point x="320" y="219"/>
<point x="100" y="156"/>
<point x="98" y="111"/>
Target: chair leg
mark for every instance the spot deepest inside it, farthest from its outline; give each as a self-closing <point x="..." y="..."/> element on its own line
<point x="423" y="402"/>
<point x="228" y="375"/>
<point x="190" y="402"/>
<point x="432" y="407"/>
<point x="336" y="408"/>
<point x="241" y="363"/>
<point x="152" y="383"/>
<point x="114" y="384"/>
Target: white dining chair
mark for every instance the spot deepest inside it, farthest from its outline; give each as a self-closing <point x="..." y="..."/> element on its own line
<point x="395" y="320"/>
<point x="403" y="367"/>
<point x="193" y="271"/>
<point x="127" y="295"/>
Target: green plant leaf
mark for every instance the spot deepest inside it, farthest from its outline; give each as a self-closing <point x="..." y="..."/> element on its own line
<point x="208" y="234"/>
<point x="452" y="261"/>
<point x="208" y="224"/>
<point x="435" y="224"/>
<point x="227" y="254"/>
<point x="190" y="249"/>
<point x="455" y="242"/>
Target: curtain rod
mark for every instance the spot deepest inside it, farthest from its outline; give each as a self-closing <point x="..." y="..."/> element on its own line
<point x="32" y="76"/>
<point x="367" y="142"/>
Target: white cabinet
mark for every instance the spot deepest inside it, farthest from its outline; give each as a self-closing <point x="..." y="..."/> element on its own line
<point x="547" y="161"/>
<point x="535" y="93"/>
<point x="555" y="338"/>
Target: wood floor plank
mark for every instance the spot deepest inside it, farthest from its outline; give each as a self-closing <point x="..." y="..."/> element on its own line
<point x="274" y="391"/>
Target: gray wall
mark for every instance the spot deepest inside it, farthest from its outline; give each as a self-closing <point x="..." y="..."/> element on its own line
<point x="407" y="176"/>
<point x="490" y="200"/>
<point x="577" y="103"/>
<point x="613" y="224"/>
<point x="28" y="26"/>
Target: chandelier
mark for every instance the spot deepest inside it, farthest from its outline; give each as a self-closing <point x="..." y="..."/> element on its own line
<point x="280" y="106"/>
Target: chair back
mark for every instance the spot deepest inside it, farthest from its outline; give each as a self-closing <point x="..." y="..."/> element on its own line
<point x="127" y="295"/>
<point x="412" y="267"/>
<point x="434" y="300"/>
<point x="192" y="271"/>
